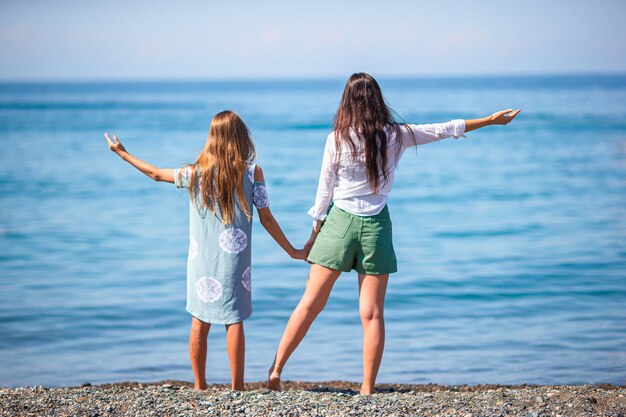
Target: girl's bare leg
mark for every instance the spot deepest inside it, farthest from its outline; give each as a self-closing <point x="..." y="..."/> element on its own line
<point x="236" y="346"/>
<point x="318" y="287"/>
<point x="197" y="351"/>
<point x="372" y="289"/>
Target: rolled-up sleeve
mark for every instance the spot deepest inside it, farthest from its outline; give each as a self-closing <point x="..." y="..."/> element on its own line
<point x="326" y="183"/>
<point x="425" y="133"/>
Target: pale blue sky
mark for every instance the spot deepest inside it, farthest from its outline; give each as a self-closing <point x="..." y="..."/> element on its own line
<point x="70" y="39"/>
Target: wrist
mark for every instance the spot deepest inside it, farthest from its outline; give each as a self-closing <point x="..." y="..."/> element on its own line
<point x="317" y="224"/>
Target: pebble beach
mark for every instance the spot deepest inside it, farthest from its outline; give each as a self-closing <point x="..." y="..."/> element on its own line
<point x="174" y="398"/>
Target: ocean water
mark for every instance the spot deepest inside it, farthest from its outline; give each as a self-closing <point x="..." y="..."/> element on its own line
<point x="511" y="242"/>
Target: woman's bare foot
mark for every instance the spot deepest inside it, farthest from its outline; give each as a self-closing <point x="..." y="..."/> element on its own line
<point x="367" y="390"/>
<point x="200" y="387"/>
<point x="273" y="378"/>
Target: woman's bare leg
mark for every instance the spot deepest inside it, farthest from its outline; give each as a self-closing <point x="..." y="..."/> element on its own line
<point x="372" y="289"/>
<point x="236" y="346"/>
<point x="318" y="287"/>
<point x="197" y="351"/>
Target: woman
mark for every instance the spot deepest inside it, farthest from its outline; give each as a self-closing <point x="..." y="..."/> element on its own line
<point x="351" y="226"/>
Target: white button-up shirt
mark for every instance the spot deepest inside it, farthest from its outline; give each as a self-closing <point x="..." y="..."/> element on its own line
<point x="344" y="180"/>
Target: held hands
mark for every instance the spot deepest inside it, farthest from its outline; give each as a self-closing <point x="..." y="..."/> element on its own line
<point x="304" y="252"/>
<point x="115" y="145"/>
<point x="503" y="117"/>
<point x="309" y="243"/>
<point x="300" y="254"/>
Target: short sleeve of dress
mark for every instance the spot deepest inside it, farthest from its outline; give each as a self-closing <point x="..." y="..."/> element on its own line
<point x="259" y="191"/>
<point x="182" y="177"/>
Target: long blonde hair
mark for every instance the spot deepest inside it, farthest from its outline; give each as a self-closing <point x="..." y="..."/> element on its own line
<point x="217" y="175"/>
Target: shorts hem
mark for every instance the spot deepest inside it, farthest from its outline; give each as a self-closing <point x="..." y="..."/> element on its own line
<point x="392" y="271"/>
<point x="330" y="265"/>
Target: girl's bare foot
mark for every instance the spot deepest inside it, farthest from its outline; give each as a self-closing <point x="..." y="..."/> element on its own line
<point x="200" y="387"/>
<point x="273" y="378"/>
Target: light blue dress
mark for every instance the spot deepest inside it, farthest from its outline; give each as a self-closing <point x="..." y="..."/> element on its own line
<point x="219" y="270"/>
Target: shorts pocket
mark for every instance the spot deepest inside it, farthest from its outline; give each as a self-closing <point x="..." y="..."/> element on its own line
<point x="337" y="227"/>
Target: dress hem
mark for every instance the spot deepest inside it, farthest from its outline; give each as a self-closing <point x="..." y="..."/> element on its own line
<point x="219" y="321"/>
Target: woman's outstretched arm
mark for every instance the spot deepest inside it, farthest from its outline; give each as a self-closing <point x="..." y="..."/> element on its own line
<point x="503" y="117"/>
<point x="157" y="174"/>
<point x="426" y="133"/>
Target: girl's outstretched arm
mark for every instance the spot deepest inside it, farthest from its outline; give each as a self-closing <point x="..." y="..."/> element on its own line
<point x="503" y="117"/>
<point x="157" y="174"/>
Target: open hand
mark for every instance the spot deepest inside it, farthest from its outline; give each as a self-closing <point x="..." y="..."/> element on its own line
<point x="503" y="117"/>
<point x="115" y="145"/>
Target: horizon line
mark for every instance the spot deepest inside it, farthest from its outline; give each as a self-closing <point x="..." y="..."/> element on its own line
<point x="184" y="79"/>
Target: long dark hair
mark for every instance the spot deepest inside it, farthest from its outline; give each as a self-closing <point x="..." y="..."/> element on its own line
<point x="363" y="110"/>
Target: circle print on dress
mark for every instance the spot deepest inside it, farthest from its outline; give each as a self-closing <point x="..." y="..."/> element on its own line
<point x="209" y="289"/>
<point x="233" y="240"/>
<point x="193" y="248"/>
<point x="251" y="175"/>
<point x="245" y="279"/>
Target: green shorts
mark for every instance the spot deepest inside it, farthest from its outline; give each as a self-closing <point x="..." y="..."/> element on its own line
<point x="363" y="243"/>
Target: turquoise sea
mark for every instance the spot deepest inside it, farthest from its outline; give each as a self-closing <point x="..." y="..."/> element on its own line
<point x="511" y="242"/>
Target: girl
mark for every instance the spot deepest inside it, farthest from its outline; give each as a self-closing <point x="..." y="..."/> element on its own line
<point x="223" y="184"/>
<point x="351" y="227"/>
